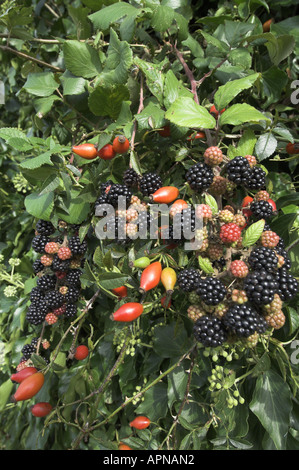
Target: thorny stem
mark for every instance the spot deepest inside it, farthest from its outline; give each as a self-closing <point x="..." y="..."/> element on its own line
<point x="140" y="108"/>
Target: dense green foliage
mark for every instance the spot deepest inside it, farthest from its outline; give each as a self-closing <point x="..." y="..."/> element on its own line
<point x="86" y="71"/>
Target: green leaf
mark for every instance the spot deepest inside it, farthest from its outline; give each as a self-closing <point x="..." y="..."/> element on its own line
<point x="162" y="18"/>
<point x="280" y="48"/>
<point x="151" y="117"/>
<point x="265" y="146"/>
<point x="72" y="85"/>
<point x="205" y="265"/>
<point x="240" y="113"/>
<point x="81" y="59"/>
<point x="253" y="233"/>
<point x="273" y="82"/>
<point x="170" y="341"/>
<point x="103" y="18"/>
<point x="111" y="280"/>
<point x="106" y="101"/>
<point x="119" y="60"/>
<point x="245" y="145"/>
<point x="5" y="392"/>
<point x="173" y="89"/>
<point x="211" y="201"/>
<point x="154" y="76"/>
<point x="37" y="162"/>
<point x="41" y="84"/>
<point x="226" y="93"/>
<point x="212" y="40"/>
<point x="272" y="404"/>
<point x="40" y="206"/>
<point x="185" y="112"/>
<point x="155" y="401"/>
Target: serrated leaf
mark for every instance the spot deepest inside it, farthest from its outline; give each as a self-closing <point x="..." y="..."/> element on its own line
<point x="253" y="233"/>
<point x="40" y="206"/>
<point x="81" y="59"/>
<point x="211" y="201"/>
<point x="111" y="280"/>
<point x="226" y="93"/>
<point x="245" y="145"/>
<point x="37" y="162"/>
<point x="41" y="84"/>
<point x="185" y="112"/>
<point x="119" y="60"/>
<point x="239" y="113"/>
<point x="205" y="264"/>
<point x="106" y="101"/>
<point x="110" y="14"/>
<point x="38" y="361"/>
<point x="265" y="146"/>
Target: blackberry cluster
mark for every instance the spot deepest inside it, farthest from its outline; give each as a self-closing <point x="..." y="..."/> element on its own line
<point x="189" y="279"/>
<point x="114" y="191"/>
<point x="243" y="321"/>
<point x="263" y="258"/>
<point x="58" y="281"/>
<point x="257" y="179"/>
<point x="199" y="177"/>
<point x="149" y="183"/>
<point x="209" y="331"/>
<point x="211" y="290"/>
<point x="260" y="287"/>
<point x="287" y="284"/>
<point x="131" y="178"/>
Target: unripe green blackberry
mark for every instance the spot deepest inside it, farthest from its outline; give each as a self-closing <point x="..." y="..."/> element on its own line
<point x="194" y="312"/>
<point x="220" y="310"/>
<point x="226" y="216"/>
<point x="274" y="306"/>
<point x="276" y="320"/>
<point x="261" y="196"/>
<point x="194" y="298"/>
<point x="213" y="156"/>
<point x="240" y="220"/>
<point x="239" y="296"/>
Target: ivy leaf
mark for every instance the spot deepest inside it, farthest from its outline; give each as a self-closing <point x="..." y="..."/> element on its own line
<point x="81" y="59"/>
<point x="253" y="233"/>
<point x="185" y="112"/>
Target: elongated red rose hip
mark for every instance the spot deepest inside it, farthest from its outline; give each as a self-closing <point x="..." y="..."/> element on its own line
<point x="128" y="312"/>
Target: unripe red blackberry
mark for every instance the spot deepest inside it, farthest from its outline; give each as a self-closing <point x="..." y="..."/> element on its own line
<point x="218" y="186"/>
<point x="230" y="233"/>
<point x="203" y="211"/>
<point x="52" y="247"/>
<point x="45" y="344"/>
<point x="262" y="196"/>
<point x="240" y="220"/>
<point x="51" y="319"/>
<point x="239" y="268"/>
<point x="213" y="156"/>
<point x="269" y="239"/>
<point x="60" y="310"/>
<point x="225" y="216"/>
<point x="251" y="160"/>
<point x="64" y="253"/>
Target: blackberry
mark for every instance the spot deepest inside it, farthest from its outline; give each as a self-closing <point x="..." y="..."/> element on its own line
<point x="200" y="177"/>
<point x="209" y="331"/>
<point x="46" y="282"/>
<point x="243" y="321"/>
<point x="238" y="170"/>
<point x="211" y="290"/>
<point x="144" y="221"/>
<point x="36" y="294"/>
<point x="263" y="258"/>
<point x="149" y="183"/>
<point x="73" y="277"/>
<point x="131" y="178"/>
<point x="44" y="227"/>
<point x="169" y="235"/>
<point x="261" y="209"/>
<point x="281" y="251"/>
<point x="76" y="246"/>
<point x="28" y="350"/>
<point x="102" y="199"/>
<point x="71" y="310"/>
<point x="104" y="186"/>
<point x="36" y="313"/>
<point x="188" y="279"/>
<point x="39" y="242"/>
<point x="53" y="299"/>
<point x="37" y="266"/>
<point x="60" y="265"/>
<point x="185" y="223"/>
<point x="287" y="284"/>
<point x="257" y="179"/>
<point x="117" y="190"/>
<point x="260" y="287"/>
<point x="72" y="294"/>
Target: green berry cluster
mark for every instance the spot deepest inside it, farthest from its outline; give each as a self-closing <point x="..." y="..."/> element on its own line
<point x="223" y="380"/>
<point x="138" y="388"/>
<point x="120" y="338"/>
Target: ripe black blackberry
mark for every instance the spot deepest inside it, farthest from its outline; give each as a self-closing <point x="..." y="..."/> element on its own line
<point x="27" y="351"/>
<point x="188" y="279"/>
<point x="257" y="179"/>
<point x="36" y="313"/>
<point x="282" y="252"/>
<point x="44" y="227"/>
<point x="238" y="170"/>
<point x="149" y="183"/>
<point x="209" y="331"/>
<point x="243" y="321"/>
<point x="287" y="284"/>
<point x="143" y="222"/>
<point x="72" y="294"/>
<point x="184" y="224"/>
<point x="36" y="294"/>
<point x="118" y="190"/>
<point x="261" y="210"/>
<point x="263" y="258"/>
<point x="73" y="277"/>
<point x="71" y="310"/>
<point x="211" y="290"/>
<point x="39" y="242"/>
<point x="260" y="287"/>
<point x="37" y="266"/>
<point x="60" y="265"/>
<point x="105" y="185"/>
<point x="200" y="177"/>
<point x="53" y="299"/>
<point x="76" y="246"/>
<point x="131" y="178"/>
<point x="46" y="282"/>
